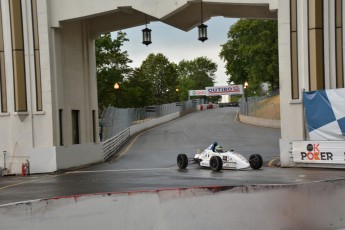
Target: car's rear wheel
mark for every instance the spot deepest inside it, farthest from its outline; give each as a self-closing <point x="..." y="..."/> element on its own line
<point x="182" y="161"/>
<point x="216" y="163"/>
<point x="255" y="161"/>
<point x="261" y="161"/>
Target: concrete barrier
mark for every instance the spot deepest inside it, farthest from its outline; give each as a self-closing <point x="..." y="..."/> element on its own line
<point x="152" y="123"/>
<point x="207" y="106"/>
<point x="50" y="159"/>
<point x="270" y="123"/>
<point x="309" y="206"/>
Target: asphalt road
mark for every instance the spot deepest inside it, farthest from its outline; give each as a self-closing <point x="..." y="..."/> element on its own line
<point x="158" y="147"/>
<point x="148" y="162"/>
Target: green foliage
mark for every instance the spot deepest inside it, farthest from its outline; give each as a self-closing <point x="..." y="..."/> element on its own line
<point x="157" y="79"/>
<point x="154" y="83"/>
<point x="251" y="53"/>
<point x="137" y="91"/>
<point x="112" y="66"/>
<point x="195" y="74"/>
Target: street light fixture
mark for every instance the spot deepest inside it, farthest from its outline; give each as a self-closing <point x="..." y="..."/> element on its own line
<point x="177" y="91"/>
<point x="117" y="88"/>
<point x="202" y="32"/>
<point x="146" y="34"/>
<point x="245" y="89"/>
<point x="202" y="28"/>
<point x="245" y="94"/>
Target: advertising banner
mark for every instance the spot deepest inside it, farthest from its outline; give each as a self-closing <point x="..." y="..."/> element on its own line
<point x="197" y="93"/>
<point x="224" y="90"/>
<point x="319" y="152"/>
<point x="325" y="114"/>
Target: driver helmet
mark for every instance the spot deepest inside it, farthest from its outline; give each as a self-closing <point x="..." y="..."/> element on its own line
<point x="219" y="149"/>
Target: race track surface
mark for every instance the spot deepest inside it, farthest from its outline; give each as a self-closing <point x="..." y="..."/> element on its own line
<point x="148" y="162"/>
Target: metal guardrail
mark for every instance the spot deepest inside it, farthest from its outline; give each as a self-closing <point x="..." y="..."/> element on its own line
<point x="116" y="122"/>
<point x="112" y="145"/>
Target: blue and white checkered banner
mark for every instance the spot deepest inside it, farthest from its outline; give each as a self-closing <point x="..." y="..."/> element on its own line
<point x="325" y="114"/>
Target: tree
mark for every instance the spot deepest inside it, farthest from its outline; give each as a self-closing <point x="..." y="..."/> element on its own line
<point x="195" y="74"/>
<point x="251" y="53"/>
<point x="153" y="83"/>
<point x="162" y="76"/>
<point x="137" y="90"/>
<point x="112" y="66"/>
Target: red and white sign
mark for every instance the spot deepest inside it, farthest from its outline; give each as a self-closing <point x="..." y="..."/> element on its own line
<point x="197" y="92"/>
<point x="224" y="90"/>
<point x="318" y="152"/>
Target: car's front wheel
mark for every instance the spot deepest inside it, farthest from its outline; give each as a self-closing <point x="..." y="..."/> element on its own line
<point x="182" y="161"/>
<point x="216" y="163"/>
<point x="255" y="161"/>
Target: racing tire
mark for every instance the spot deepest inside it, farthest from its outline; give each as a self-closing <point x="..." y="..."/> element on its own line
<point x="255" y="161"/>
<point x="261" y="161"/>
<point x="216" y="163"/>
<point x="182" y="161"/>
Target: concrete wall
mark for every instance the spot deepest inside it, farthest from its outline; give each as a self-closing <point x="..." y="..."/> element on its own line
<point x="311" y="206"/>
<point x="290" y="110"/>
<point x="270" y="123"/>
<point x="64" y="10"/>
<point x="76" y="83"/>
<point x="22" y="131"/>
<point x="51" y="159"/>
<point x="151" y="123"/>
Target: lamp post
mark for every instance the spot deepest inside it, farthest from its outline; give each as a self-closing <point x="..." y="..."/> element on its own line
<point x="177" y="91"/>
<point x="117" y="88"/>
<point x="5" y="169"/>
<point x="245" y="89"/>
<point x="245" y="95"/>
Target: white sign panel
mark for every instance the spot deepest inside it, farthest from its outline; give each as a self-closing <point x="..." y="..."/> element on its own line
<point x="319" y="152"/>
<point x="224" y="90"/>
<point x="197" y="92"/>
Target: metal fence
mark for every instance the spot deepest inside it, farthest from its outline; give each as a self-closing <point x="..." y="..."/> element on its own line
<point x="113" y="144"/>
<point x="260" y="107"/>
<point x="115" y="120"/>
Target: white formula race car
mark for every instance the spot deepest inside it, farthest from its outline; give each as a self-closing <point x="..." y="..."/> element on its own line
<point x="217" y="160"/>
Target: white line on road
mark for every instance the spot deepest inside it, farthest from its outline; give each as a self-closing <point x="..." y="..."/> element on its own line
<point x="121" y="170"/>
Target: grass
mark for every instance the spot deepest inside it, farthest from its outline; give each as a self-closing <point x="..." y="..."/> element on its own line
<point x="268" y="108"/>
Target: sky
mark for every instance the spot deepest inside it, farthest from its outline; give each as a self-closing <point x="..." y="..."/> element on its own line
<point x="177" y="45"/>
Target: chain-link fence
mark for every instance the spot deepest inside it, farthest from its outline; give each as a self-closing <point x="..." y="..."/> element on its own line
<point x="267" y="107"/>
<point x="115" y="120"/>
